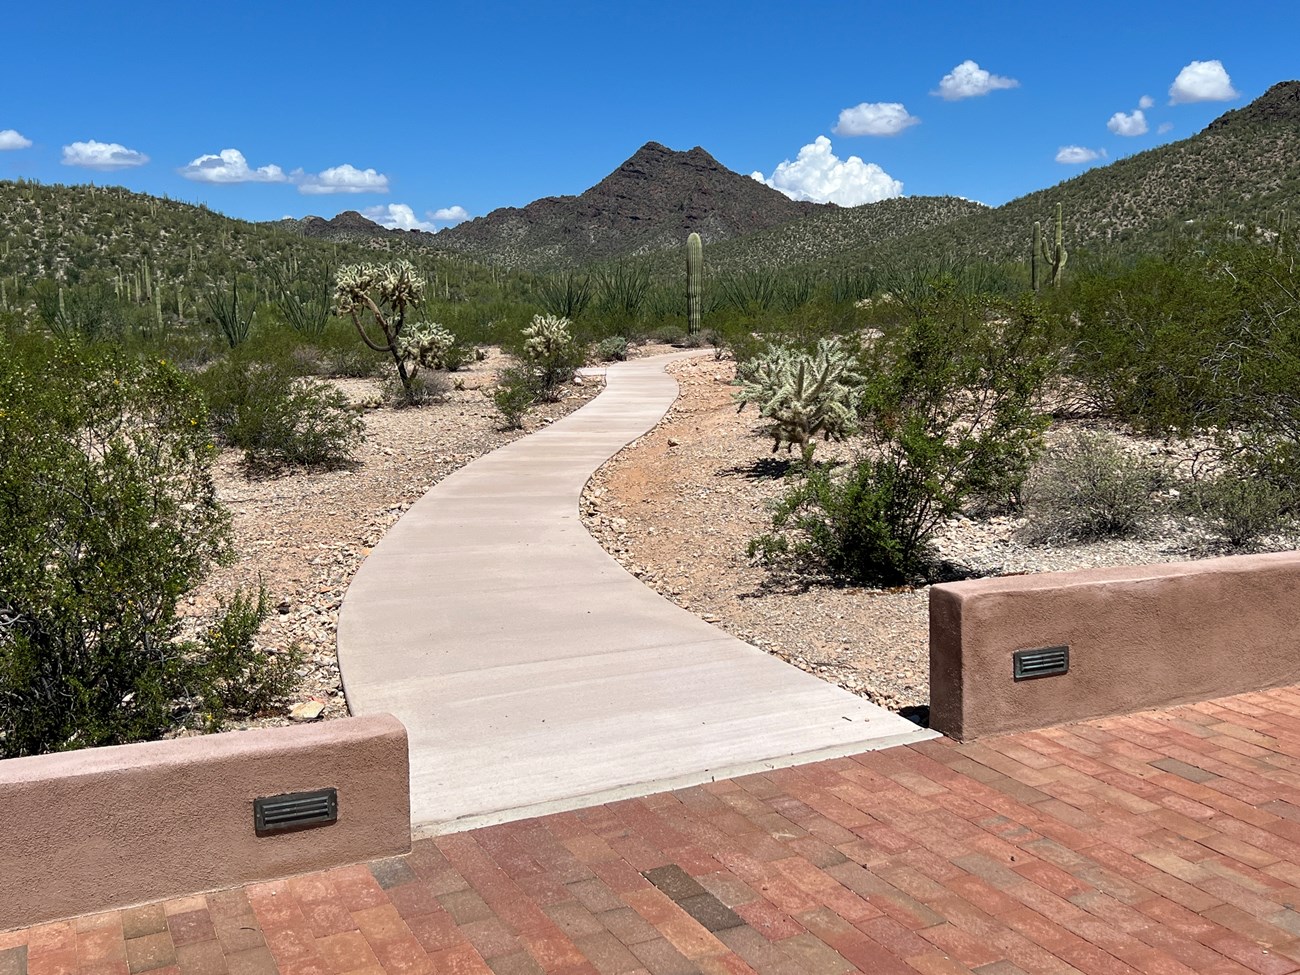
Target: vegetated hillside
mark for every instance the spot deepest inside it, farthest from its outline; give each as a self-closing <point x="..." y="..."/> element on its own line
<point x="66" y="232"/>
<point x="826" y="234"/>
<point x="1243" y="168"/>
<point x="649" y="203"/>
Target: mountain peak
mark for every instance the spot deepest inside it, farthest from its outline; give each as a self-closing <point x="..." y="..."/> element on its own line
<point x="650" y="202"/>
<point x="1279" y="105"/>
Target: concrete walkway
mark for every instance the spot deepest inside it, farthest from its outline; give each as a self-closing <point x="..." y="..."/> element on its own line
<point x="534" y="674"/>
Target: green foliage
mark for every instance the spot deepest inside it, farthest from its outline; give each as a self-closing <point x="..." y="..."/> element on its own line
<point x="1194" y="341"/>
<point x="612" y="349"/>
<point x="803" y="394"/>
<point x="948" y="411"/>
<point x="565" y="294"/>
<point x="302" y="297"/>
<point x="551" y="353"/>
<point x="234" y="322"/>
<point x="227" y="675"/>
<point x="107" y="517"/>
<point x="1090" y="487"/>
<point x="1239" y="508"/>
<point x="514" y="395"/>
<point x="89" y="311"/>
<point x="277" y="418"/>
<point x="868" y="524"/>
<point x="622" y="292"/>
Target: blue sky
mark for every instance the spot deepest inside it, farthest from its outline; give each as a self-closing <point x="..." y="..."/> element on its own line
<point x="426" y="111"/>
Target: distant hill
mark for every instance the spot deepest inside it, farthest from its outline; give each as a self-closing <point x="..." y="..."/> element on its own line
<point x="651" y="202"/>
<point x="1243" y="168"/>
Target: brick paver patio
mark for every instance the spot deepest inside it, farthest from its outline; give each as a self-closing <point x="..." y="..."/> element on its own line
<point x="1164" y="842"/>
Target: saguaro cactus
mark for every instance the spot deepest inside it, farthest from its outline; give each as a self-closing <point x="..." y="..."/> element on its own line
<point x="1056" y="257"/>
<point x="694" y="282"/>
<point x="1033" y="254"/>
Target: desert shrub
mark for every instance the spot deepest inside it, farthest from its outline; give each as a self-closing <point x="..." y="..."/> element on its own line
<point x="948" y="410"/>
<point x="342" y="355"/>
<point x="108" y="515"/>
<point x="551" y="353"/>
<point x="866" y="524"/>
<point x="421" y="388"/>
<point x="514" y="395"/>
<point x="1238" y="508"/>
<point x="228" y="678"/>
<point x="277" y="418"/>
<point x="612" y="349"/>
<point x="1089" y="487"/>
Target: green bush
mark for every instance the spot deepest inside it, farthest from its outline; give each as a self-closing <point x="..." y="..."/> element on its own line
<point x="514" y="395"/>
<point x="868" y="524"/>
<point x="948" y="411"/>
<point x="553" y="355"/>
<point x="1089" y="487"/>
<point x="278" y="418"/>
<point x="612" y="349"/>
<point x="1239" y="508"/>
<point x="108" y="516"/>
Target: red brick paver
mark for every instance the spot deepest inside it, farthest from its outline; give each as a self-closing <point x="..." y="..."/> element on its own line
<point x="1159" y="843"/>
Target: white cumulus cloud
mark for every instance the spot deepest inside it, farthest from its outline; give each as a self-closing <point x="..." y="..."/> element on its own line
<point x="102" y="155"/>
<point x="968" y="79"/>
<point x="340" y="179"/>
<point x="230" y="166"/>
<point x="1073" y="155"/>
<point x="819" y="175"/>
<point x="453" y="214"/>
<point x="1135" y="124"/>
<point x="397" y="216"/>
<point x="875" y="118"/>
<point x="1202" y="81"/>
<point x="10" y="139"/>
<point x="1146" y="101"/>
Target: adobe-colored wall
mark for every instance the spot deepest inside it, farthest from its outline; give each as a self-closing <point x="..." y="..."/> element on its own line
<point x="1139" y="637"/>
<point x="101" y="828"/>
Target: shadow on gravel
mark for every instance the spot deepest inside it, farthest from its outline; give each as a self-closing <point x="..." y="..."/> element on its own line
<point x="766" y="469"/>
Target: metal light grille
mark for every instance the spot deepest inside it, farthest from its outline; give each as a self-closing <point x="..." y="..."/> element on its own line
<point x="1043" y="662"/>
<point x="295" y="810"/>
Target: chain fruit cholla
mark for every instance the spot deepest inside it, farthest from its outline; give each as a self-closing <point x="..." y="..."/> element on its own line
<point x="803" y="394"/>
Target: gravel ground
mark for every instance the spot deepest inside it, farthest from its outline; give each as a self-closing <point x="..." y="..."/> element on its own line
<point x="303" y="534"/>
<point x="678" y="507"/>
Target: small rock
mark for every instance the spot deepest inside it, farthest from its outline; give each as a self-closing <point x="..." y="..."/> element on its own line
<point x="673" y="442"/>
<point x="306" y="711"/>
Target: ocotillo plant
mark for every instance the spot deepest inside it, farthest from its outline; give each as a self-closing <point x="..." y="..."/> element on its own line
<point x="1056" y="257"/>
<point x="694" y="282"/>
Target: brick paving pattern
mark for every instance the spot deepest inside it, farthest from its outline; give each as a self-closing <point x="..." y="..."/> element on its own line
<point x="1159" y="843"/>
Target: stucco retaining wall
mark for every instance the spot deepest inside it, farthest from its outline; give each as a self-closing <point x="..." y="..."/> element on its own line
<point x="1139" y="637"/>
<point x="101" y="828"/>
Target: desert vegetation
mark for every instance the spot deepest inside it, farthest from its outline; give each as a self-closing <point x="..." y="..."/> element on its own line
<point x="957" y="366"/>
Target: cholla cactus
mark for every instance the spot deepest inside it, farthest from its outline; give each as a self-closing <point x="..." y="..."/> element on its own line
<point x="803" y="394"/>
<point x="545" y="336"/>
<point x="384" y="292"/>
<point x="551" y="353"/>
<point x="426" y="344"/>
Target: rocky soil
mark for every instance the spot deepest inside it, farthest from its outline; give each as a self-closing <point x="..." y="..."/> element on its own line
<point x="303" y="534"/>
<point x="678" y="507"/>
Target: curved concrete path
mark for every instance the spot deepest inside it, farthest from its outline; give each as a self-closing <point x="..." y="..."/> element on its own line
<point x="534" y="674"/>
